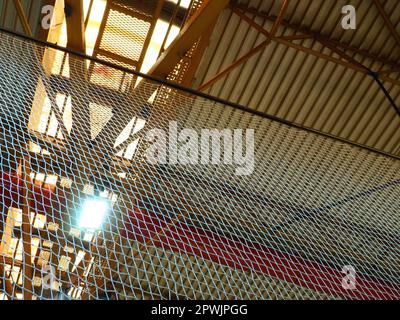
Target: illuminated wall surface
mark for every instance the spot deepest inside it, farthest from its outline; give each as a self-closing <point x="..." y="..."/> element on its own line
<point x="85" y="214"/>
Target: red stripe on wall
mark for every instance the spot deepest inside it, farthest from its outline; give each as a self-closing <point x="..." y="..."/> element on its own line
<point x="235" y="253"/>
<point x="244" y="255"/>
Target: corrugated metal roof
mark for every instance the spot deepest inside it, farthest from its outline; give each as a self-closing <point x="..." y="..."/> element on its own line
<point x="303" y="88"/>
<point x="9" y="18"/>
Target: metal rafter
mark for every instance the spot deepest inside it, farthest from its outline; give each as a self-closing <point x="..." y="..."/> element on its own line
<point x="308" y="34"/>
<point x="238" y="62"/>
<point x="22" y="17"/>
<point x="374" y="75"/>
<point x="252" y="52"/>
<point x="388" y="23"/>
<point x="279" y="19"/>
<point x="350" y="65"/>
<point x="75" y="25"/>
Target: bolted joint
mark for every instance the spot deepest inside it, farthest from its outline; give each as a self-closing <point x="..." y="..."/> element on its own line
<point x="373" y="74"/>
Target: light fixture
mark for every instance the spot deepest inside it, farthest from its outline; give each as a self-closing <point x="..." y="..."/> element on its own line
<point x="93" y="212"/>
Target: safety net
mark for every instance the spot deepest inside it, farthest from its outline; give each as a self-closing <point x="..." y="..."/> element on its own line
<point x="116" y="186"/>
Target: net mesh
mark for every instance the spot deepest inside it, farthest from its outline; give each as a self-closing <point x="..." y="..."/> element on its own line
<point x="87" y="213"/>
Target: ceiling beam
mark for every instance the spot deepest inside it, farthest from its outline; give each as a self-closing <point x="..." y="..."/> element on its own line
<point x="189" y="34"/>
<point x="270" y="35"/>
<point x="75" y="25"/>
<point x="194" y="61"/>
<point x="238" y="62"/>
<point x="23" y="18"/>
<point x="356" y="67"/>
<point x="170" y="24"/>
<point x="389" y="71"/>
<point x="251" y="53"/>
<point x="305" y="33"/>
<point x="388" y="23"/>
<point x="348" y="62"/>
<point x="27" y="266"/>
<point x="279" y="19"/>
<point x="155" y="16"/>
<point x="53" y="33"/>
<point x="80" y="132"/>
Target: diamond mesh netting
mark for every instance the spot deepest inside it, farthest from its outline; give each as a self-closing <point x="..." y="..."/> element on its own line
<point x="86" y="214"/>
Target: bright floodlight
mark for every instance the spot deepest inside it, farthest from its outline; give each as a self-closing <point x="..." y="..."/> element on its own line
<point x="92" y="214"/>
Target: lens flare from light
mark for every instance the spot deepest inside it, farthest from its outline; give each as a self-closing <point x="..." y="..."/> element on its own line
<point x="93" y="213"/>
